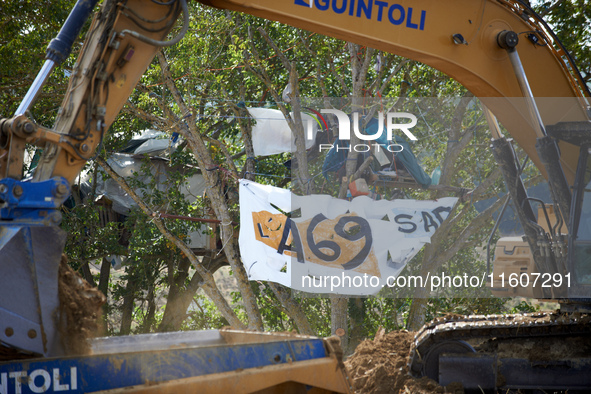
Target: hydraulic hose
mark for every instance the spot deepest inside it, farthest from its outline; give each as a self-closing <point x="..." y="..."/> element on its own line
<point x="158" y="43"/>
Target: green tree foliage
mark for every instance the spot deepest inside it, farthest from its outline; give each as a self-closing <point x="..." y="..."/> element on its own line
<point x="570" y="21"/>
<point x="26" y="30"/>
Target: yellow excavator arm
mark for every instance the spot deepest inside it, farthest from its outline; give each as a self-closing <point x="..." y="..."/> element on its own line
<point x="459" y="38"/>
<point x="121" y="42"/>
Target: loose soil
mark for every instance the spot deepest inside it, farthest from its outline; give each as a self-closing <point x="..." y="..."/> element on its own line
<point x="380" y="366"/>
<point x="80" y="308"/>
<point x="78" y="313"/>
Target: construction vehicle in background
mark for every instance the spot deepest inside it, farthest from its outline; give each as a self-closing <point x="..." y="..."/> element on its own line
<point x="500" y="50"/>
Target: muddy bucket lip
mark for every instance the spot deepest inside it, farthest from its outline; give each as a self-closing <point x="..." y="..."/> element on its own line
<point x="29" y="262"/>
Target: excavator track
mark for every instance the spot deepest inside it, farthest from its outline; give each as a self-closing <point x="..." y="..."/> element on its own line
<point x="554" y="347"/>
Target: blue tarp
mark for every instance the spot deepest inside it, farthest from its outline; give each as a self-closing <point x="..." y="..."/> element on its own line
<point x="336" y="157"/>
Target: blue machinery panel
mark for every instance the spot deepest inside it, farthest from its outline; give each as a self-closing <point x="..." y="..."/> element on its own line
<point x="109" y="371"/>
<point x="32" y="203"/>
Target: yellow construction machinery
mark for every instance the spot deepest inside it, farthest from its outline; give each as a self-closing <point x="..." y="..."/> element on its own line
<point x="500" y="50"/>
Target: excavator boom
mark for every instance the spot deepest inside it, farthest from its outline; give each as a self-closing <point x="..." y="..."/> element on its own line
<point x="458" y="38"/>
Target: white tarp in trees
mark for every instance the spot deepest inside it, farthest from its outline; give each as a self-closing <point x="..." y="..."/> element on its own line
<point x="271" y="134"/>
<point x="150" y="142"/>
<point x="331" y="245"/>
<point x="128" y="166"/>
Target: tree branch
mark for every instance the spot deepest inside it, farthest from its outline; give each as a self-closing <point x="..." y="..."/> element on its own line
<point x="218" y="201"/>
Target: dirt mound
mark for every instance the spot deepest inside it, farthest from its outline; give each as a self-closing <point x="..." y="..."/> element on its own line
<point x="379" y="366"/>
<point x="80" y="308"/>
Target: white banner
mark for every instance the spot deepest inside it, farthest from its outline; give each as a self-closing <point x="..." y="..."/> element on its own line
<point x="272" y="134"/>
<point x="330" y="245"/>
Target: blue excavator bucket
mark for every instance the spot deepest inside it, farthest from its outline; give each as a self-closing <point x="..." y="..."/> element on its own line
<point x="29" y="300"/>
<point x="31" y="247"/>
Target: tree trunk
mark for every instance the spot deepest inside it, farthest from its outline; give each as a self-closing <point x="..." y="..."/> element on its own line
<point x="87" y="274"/>
<point x="356" y="320"/>
<point x="339" y="319"/>
<point x="359" y="68"/>
<point x="417" y="314"/>
<point x="173" y="308"/>
<point x="418" y="307"/>
<point x="294" y="310"/>
<point x="128" y="305"/>
<point x="150" y="314"/>
<point x="180" y="297"/>
<point x="418" y="311"/>
<point x="103" y="286"/>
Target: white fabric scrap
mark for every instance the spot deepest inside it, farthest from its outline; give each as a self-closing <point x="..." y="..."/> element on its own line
<point x="271" y="134"/>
